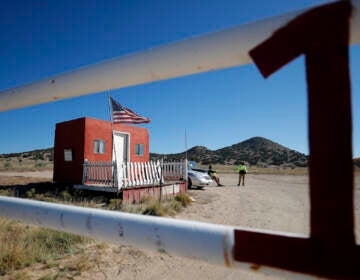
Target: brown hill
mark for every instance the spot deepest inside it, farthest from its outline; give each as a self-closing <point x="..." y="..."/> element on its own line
<point x="256" y="151"/>
<point x="41" y="154"/>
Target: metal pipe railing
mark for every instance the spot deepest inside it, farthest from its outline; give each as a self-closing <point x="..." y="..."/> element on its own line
<point x="204" y="241"/>
<point x="222" y="49"/>
<point x="213" y="243"/>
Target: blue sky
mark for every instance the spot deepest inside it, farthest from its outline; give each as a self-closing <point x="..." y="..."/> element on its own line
<point x="41" y="38"/>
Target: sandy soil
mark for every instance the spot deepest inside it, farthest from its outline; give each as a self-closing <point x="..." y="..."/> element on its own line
<point x="46" y="174"/>
<point x="275" y="202"/>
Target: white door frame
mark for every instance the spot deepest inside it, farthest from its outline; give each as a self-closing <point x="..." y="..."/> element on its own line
<point x="128" y="144"/>
<point x="120" y="172"/>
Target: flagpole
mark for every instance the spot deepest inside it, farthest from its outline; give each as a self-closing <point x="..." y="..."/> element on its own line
<point x="186" y="145"/>
<point x="186" y="161"/>
<point x="112" y="138"/>
<point x="110" y="107"/>
<point x="111" y="112"/>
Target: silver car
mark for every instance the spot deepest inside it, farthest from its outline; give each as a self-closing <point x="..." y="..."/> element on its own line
<point x="198" y="178"/>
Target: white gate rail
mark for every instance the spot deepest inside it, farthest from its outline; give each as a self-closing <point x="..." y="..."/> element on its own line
<point x="218" y="50"/>
<point x="204" y="241"/>
<point x="208" y="242"/>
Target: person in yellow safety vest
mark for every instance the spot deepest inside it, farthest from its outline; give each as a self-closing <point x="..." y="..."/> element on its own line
<point x="242" y="171"/>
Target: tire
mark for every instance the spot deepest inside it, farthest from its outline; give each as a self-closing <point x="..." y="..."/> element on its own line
<point x="189" y="183"/>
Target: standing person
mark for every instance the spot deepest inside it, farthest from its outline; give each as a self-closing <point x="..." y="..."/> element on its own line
<point x="214" y="176"/>
<point x="242" y="171"/>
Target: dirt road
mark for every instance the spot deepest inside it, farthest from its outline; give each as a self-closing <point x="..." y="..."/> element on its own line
<point x="272" y="202"/>
<point x="267" y="201"/>
<point x="47" y="174"/>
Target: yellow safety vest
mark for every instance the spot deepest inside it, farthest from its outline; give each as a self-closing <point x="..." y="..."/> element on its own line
<point x="241" y="168"/>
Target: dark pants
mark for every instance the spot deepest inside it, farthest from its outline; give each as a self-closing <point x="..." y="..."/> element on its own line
<point x="242" y="177"/>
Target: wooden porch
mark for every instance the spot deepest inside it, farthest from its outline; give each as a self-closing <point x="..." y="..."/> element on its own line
<point x="135" y="179"/>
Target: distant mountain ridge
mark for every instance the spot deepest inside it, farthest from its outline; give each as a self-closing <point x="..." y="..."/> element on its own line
<point x="41" y="154"/>
<point x="255" y="151"/>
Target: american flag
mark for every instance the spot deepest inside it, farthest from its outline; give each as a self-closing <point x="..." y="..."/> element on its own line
<point x="122" y="114"/>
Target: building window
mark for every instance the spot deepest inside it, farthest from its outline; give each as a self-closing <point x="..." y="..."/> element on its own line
<point x="67" y="154"/>
<point x="99" y="146"/>
<point x="139" y="149"/>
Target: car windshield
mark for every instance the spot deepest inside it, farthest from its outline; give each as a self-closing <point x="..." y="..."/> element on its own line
<point x="191" y="164"/>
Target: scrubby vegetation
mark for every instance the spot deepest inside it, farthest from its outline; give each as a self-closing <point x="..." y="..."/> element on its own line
<point x="22" y="246"/>
<point x="147" y="206"/>
<point x="27" y="161"/>
<point x="152" y="206"/>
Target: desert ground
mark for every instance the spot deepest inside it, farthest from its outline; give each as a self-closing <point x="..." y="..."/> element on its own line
<point x="271" y="202"/>
<point x="44" y="174"/>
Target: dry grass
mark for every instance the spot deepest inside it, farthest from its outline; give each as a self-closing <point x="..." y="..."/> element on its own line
<point x="259" y="170"/>
<point x="24" y="164"/>
<point x="154" y="207"/>
<point x="184" y="199"/>
<point x="147" y="206"/>
<point x="17" y="180"/>
<point x="22" y="246"/>
<point x="279" y="170"/>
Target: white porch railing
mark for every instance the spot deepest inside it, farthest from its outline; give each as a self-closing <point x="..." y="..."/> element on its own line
<point x="132" y="174"/>
<point x="99" y="173"/>
<point x="174" y="171"/>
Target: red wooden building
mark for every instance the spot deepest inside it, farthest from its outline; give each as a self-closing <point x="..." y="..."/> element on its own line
<point x="96" y="155"/>
<point x="88" y="139"/>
